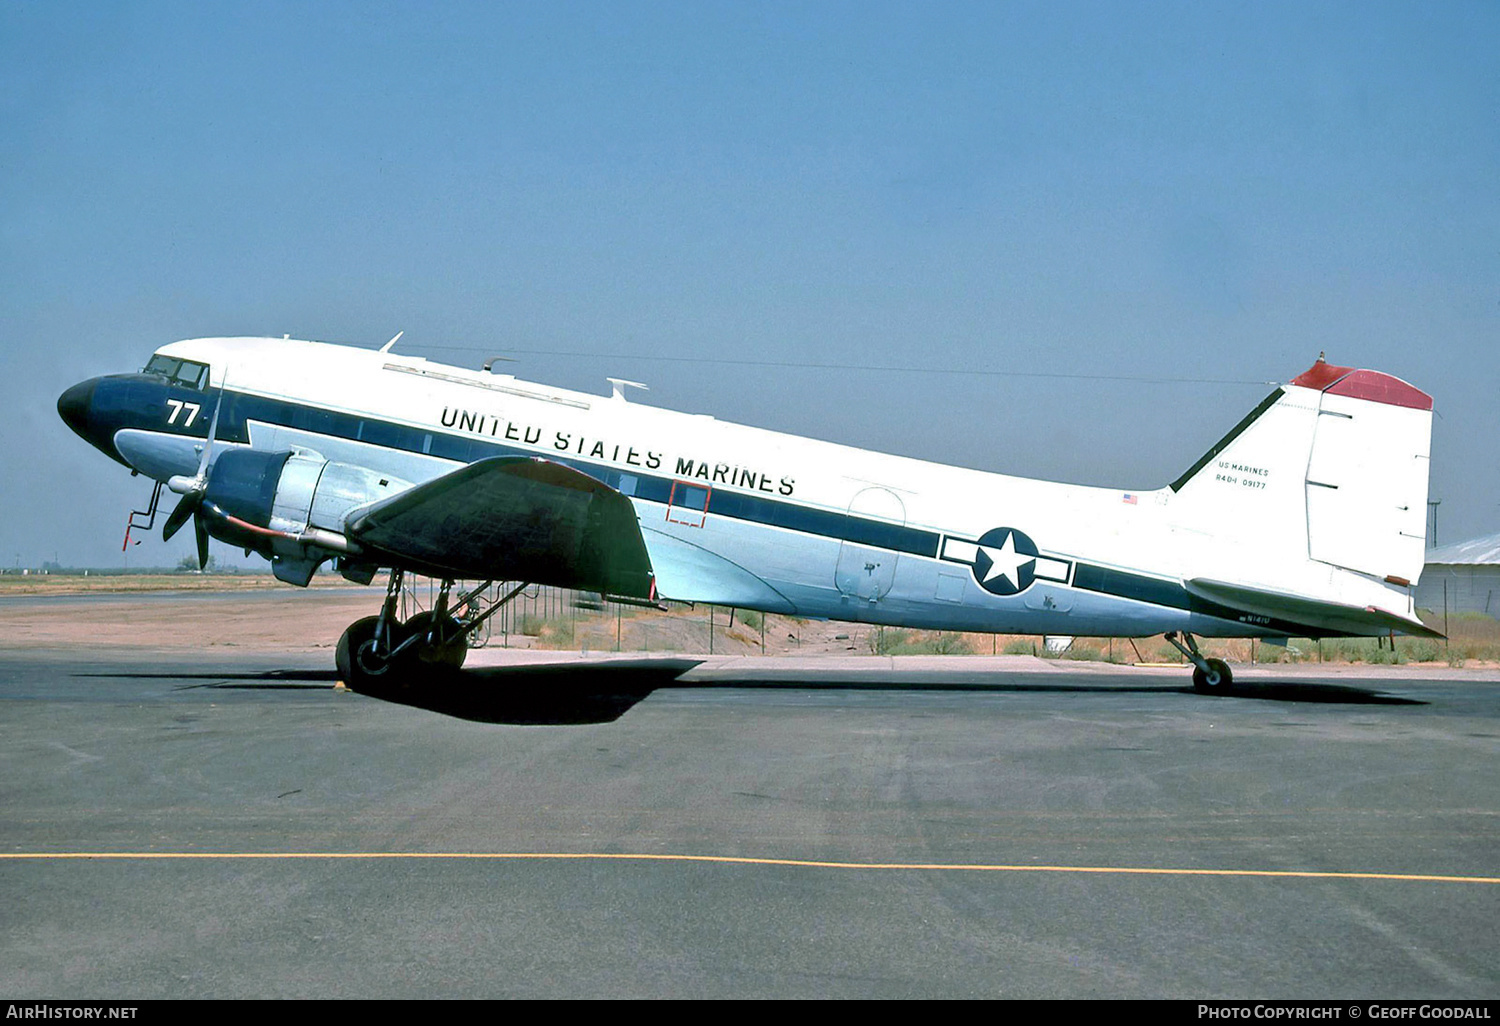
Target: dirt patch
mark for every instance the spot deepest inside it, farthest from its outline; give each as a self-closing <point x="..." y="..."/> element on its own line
<point x="290" y="621"/>
<point x="105" y="584"/>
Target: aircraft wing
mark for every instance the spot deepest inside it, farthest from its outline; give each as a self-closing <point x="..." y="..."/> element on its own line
<point x="1332" y="616"/>
<point x="511" y="518"/>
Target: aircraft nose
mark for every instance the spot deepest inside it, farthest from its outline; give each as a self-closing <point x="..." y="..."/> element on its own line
<point x="73" y="406"/>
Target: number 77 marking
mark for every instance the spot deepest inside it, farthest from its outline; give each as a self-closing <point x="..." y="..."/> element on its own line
<point x="178" y="406"/>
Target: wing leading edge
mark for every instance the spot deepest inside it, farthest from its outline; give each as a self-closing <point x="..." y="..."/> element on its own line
<point x="512" y="518"/>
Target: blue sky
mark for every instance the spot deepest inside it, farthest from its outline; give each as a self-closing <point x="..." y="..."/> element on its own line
<point x="1168" y="205"/>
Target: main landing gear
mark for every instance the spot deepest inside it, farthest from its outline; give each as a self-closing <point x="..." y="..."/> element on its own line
<point x="1209" y="675"/>
<point x="386" y="650"/>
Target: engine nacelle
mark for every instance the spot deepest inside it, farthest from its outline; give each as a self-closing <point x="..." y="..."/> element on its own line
<point x="289" y="496"/>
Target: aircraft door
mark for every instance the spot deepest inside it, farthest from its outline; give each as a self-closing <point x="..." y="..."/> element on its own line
<point x="865" y="572"/>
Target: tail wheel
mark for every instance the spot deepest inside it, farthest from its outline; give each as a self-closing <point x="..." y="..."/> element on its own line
<point x="1216" y="678"/>
<point x="441" y="643"/>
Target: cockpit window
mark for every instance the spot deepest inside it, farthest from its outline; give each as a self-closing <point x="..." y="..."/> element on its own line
<point x="178" y="372"/>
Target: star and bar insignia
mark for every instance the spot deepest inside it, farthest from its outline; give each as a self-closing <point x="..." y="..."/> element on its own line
<point x="1005" y="561"/>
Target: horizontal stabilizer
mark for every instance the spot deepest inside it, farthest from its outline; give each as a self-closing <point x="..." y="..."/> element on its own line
<point x="512" y="519"/>
<point x="1333" y="617"/>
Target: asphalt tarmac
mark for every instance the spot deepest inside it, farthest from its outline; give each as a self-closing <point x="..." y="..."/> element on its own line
<point x="230" y="825"/>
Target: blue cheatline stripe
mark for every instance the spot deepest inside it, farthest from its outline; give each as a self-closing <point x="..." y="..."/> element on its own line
<point x="1131" y="586"/>
<point x="1173" y="595"/>
<point x="141" y="393"/>
<point x="239" y="409"/>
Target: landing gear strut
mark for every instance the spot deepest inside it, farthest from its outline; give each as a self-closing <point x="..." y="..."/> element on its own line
<point x="1209" y="675"/>
<point x="384" y="648"/>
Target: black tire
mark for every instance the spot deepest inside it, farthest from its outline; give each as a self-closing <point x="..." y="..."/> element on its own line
<point x="448" y="654"/>
<point x="355" y="666"/>
<point x="1218" y="677"/>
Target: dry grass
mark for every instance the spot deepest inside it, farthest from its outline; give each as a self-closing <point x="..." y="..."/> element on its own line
<point x="302" y="619"/>
<point x="1473" y="642"/>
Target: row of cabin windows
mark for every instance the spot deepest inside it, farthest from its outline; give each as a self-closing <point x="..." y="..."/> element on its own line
<point x="688" y="497"/>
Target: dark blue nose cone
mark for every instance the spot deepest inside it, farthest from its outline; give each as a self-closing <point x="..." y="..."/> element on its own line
<point x="73" y="406"/>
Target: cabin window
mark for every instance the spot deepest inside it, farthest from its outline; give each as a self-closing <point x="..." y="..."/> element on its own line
<point x="380" y="432"/>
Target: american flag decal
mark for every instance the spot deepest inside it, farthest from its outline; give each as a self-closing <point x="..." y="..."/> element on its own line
<point x="1129" y="499"/>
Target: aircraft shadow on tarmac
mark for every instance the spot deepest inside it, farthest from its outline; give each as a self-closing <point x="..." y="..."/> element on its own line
<point x="537" y="695"/>
<point x="601" y="692"/>
<point x="1315" y="691"/>
<point x="559" y="694"/>
<point x="1278" y="691"/>
<point x="288" y="680"/>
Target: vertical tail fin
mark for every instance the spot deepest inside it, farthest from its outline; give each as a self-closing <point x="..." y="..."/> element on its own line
<point x="1332" y="467"/>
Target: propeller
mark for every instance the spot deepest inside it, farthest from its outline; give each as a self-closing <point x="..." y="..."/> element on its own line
<point x="193" y="490"/>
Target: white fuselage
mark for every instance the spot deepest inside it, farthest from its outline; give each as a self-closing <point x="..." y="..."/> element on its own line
<point x="744" y="516"/>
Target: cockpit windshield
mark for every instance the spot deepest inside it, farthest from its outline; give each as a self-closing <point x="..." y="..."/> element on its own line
<point x="178" y="372"/>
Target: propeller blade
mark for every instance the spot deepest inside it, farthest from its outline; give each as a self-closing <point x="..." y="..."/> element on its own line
<point x="200" y="528"/>
<point x="208" y="443"/>
<point x="193" y="490"/>
<point x="186" y="508"/>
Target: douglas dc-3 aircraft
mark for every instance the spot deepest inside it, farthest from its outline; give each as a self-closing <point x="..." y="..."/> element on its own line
<point x="1307" y="519"/>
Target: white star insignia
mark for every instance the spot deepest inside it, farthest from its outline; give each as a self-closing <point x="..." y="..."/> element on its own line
<point x="1006" y="562"/>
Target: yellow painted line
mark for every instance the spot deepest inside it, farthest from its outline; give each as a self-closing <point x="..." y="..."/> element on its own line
<point x="738" y="860"/>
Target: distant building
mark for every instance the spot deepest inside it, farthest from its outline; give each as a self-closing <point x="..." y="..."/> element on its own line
<point x="1470" y="571"/>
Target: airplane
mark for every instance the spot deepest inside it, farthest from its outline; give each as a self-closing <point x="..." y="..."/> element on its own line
<point x="1307" y="519"/>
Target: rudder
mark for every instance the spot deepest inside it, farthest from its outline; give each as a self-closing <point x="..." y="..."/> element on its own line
<point x="1367" y="478"/>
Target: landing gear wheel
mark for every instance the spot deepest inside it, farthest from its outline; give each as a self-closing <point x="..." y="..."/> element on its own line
<point x="1218" y="677"/>
<point x="355" y="655"/>
<point x="448" y="653"/>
